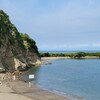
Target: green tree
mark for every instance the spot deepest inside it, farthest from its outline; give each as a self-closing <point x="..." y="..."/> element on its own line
<point x="80" y="55"/>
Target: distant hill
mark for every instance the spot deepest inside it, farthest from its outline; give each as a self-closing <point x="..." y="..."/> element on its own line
<point x="17" y="50"/>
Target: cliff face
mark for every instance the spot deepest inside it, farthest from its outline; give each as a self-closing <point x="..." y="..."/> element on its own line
<point x="17" y="50"/>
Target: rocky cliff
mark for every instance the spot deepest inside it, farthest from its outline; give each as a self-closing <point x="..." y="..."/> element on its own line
<point x="17" y="51"/>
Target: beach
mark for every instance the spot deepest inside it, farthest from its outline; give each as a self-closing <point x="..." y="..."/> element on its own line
<point x="54" y="58"/>
<point x="6" y="93"/>
<point x="20" y="90"/>
<point x="33" y="92"/>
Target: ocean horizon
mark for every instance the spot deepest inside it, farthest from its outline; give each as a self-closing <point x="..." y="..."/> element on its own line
<point x="67" y="51"/>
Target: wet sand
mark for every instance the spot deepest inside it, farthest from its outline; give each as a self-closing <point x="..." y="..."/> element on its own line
<point x="20" y="90"/>
<point x="35" y="93"/>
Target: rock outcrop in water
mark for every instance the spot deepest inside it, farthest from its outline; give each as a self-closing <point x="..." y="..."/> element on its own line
<point x="17" y="51"/>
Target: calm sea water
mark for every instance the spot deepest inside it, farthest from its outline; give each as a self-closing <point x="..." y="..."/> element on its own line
<point x="77" y="77"/>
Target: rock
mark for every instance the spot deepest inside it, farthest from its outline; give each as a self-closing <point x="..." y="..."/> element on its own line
<point x="16" y="49"/>
<point x="38" y="62"/>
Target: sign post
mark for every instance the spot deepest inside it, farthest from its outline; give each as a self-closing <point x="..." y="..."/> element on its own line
<point x="31" y="77"/>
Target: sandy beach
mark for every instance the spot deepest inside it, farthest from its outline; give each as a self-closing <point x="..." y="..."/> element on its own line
<point x="33" y="92"/>
<point x="6" y="93"/>
<point x="20" y="90"/>
<point x="53" y="58"/>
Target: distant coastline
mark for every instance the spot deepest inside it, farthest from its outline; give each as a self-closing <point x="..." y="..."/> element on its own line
<point x="76" y="55"/>
<point x="68" y="51"/>
<point x="53" y="58"/>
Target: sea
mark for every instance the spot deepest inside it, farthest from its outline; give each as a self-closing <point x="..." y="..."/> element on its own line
<point x="78" y="79"/>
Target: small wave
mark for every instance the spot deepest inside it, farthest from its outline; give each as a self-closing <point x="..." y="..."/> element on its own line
<point x="67" y="95"/>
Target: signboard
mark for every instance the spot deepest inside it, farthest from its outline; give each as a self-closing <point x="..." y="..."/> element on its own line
<point x="31" y="76"/>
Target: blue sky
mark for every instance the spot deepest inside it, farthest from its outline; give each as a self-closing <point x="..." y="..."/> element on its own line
<point x="57" y="24"/>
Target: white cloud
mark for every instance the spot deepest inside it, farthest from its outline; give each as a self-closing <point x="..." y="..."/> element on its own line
<point x="70" y="47"/>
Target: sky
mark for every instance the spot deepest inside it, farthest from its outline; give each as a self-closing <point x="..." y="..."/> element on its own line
<point x="57" y="24"/>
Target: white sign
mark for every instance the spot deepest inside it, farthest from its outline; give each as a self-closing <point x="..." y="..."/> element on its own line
<point x="31" y="76"/>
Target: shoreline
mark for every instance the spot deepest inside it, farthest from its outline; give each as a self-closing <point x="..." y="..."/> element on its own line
<point x="63" y="94"/>
<point x="36" y="93"/>
<point x="54" y="58"/>
<point x="20" y="90"/>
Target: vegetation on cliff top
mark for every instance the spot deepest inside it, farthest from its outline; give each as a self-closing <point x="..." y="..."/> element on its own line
<point x="24" y="40"/>
<point x="16" y="49"/>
